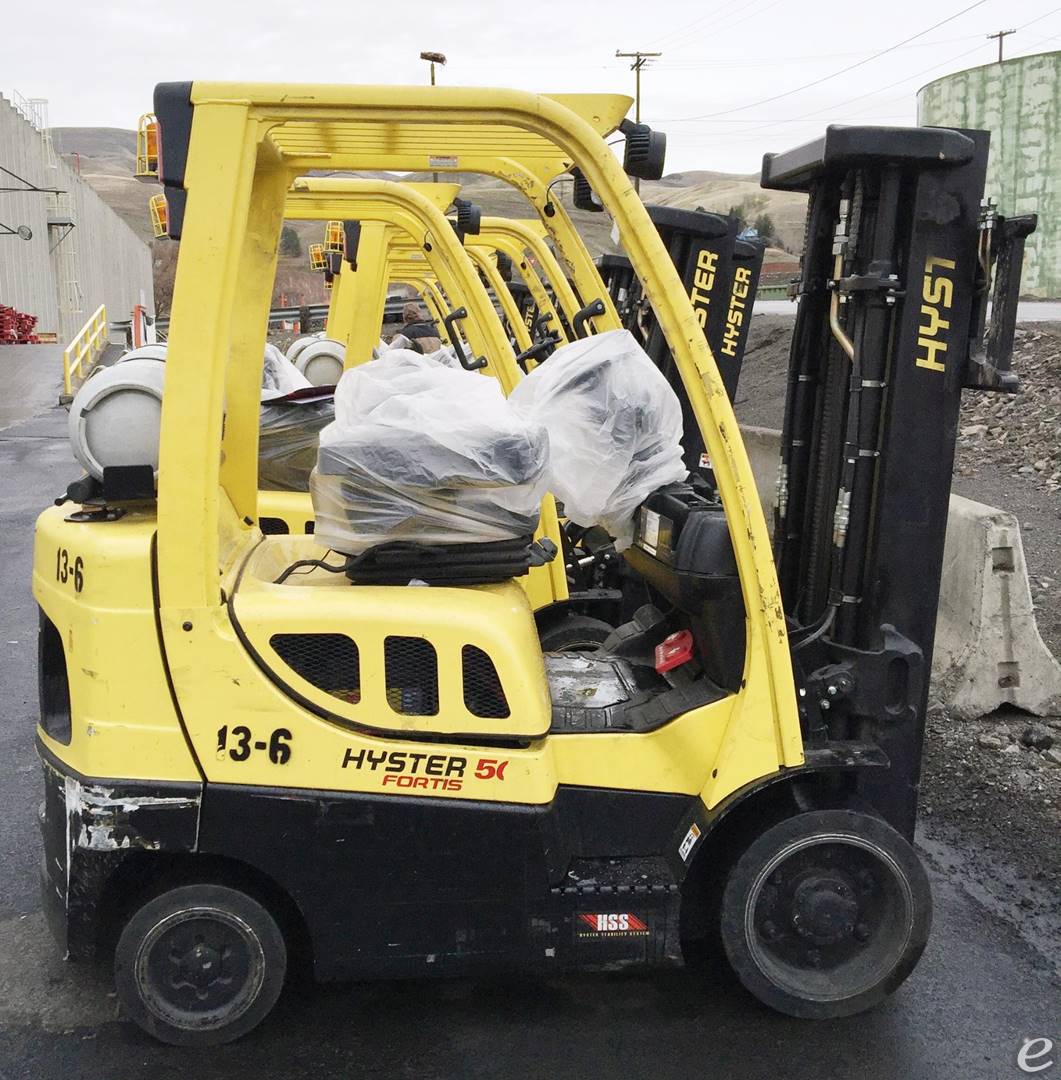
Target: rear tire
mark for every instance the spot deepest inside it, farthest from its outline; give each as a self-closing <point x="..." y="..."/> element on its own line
<point x="200" y="965"/>
<point x="575" y="633"/>
<point x="825" y="914"/>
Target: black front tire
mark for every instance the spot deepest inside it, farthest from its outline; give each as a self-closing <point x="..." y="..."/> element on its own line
<point x="200" y="965"/>
<point x="825" y="914"/>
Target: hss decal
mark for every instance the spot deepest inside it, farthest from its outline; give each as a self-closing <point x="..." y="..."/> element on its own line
<point x="611" y="924"/>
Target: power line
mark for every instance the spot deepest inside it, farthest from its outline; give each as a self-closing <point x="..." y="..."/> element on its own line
<point x="832" y="75"/>
<point x="831" y="108"/>
<point x="803" y="58"/>
<point x="888" y="86"/>
<point x="909" y="78"/>
<point x="1045" y="15"/>
<point x="671" y="34"/>
<point x="723" y="24"/>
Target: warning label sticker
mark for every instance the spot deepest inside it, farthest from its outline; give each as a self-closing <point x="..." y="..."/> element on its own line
<point x="649" y="530"/>
<point x="687" y="845"/>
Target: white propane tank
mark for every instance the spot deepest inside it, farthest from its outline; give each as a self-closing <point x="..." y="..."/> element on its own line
<point x="322" y="362"/>
<point x="116" y="415"/>
<point x="301" y="343"/>
<point x="144" y="352"/>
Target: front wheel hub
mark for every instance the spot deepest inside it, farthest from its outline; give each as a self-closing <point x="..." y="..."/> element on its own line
<point x="825" y="913"/>
<point x="199" y="968"/>
<point x="824" y="910"/>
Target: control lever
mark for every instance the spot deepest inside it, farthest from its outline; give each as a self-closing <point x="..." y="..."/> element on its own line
<point x="590" y="311"/>
<point x="539" y="350"/>
<point x="448" y="322"/>
<point x="539" y="322"/>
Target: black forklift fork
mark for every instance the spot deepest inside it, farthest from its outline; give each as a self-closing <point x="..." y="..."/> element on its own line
<point x="893" y="293"/>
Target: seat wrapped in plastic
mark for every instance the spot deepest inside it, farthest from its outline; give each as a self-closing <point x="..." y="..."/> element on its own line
<point x="615" y="428"/>
<point x="426" y="454"/>
<point x="290" y="425"/>
<point x="288" y="440"/>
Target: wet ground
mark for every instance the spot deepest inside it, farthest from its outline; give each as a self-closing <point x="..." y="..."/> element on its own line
<point x="984" y="986"/>
<point x="32" y="378"/>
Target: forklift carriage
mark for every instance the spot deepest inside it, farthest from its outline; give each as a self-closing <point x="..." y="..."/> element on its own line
<point x="243" y="763"/>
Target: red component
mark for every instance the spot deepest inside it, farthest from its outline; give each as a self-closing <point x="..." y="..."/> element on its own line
<point x="16" y="328"/>
<point x="674" y="651"/>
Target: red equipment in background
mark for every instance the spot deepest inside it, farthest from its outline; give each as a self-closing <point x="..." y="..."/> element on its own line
<point x="16" y="328"/>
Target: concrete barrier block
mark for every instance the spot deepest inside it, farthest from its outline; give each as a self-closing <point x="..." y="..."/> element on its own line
<point x="764" y="450"/>
<point x="988" y="651"/>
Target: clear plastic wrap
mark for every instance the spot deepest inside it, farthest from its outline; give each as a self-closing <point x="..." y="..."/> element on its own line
<point x="446" y="356"/>
<point x="288" y="441"/>
<point x="279" y="375"/>
<point x="428" y="454"/>
<point x="615" y="428"/>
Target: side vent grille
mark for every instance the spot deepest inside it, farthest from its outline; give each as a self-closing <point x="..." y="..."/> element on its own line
<point x="330" y="662"/>
<point x="483" y="693"/>
<point x="412" y="676"/>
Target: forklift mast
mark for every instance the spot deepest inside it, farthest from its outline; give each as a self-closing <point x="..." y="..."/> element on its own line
<point x="720" y="274"/>
<point x="893" y="292"/>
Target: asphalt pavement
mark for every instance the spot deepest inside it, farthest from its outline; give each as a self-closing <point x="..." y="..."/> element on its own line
<point x="980" y="991"/>
<point x="32" y="378"/>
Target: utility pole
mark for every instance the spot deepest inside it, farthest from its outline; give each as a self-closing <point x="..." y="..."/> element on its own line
<point x="640" y="60"/>
<point x="1001" y="34"/>
<point x="434" y="58"/>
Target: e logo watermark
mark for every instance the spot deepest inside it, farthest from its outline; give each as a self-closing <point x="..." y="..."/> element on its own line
<point x="1035" y="1055"/>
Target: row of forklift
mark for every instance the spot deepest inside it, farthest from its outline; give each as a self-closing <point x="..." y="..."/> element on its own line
<point x="383" y="662"/>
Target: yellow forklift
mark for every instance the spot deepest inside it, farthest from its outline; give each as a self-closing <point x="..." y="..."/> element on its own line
<point x="248" y="757"/>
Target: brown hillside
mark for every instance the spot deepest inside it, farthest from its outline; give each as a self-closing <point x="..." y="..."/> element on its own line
<point x="108" y="157"/>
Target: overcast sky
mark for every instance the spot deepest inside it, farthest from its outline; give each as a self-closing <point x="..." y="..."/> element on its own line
<point x="726" y="89"/>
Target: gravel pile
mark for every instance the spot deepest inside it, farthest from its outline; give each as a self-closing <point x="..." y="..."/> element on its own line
<point x="1020" y="433"/>
<point x="991" y="789"/>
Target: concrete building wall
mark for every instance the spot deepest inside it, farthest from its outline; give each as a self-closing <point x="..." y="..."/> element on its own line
<point x="1019" y="102"/>
<point x="101" y="254"/>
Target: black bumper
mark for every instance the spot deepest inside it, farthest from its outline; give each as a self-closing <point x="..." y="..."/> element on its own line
<point x="92" y="827"/>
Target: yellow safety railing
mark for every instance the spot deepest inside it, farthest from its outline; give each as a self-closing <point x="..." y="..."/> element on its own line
<point x="80" y="356"/>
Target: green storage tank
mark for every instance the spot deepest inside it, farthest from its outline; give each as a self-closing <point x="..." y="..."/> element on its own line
<point x="1019" y="102"/>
